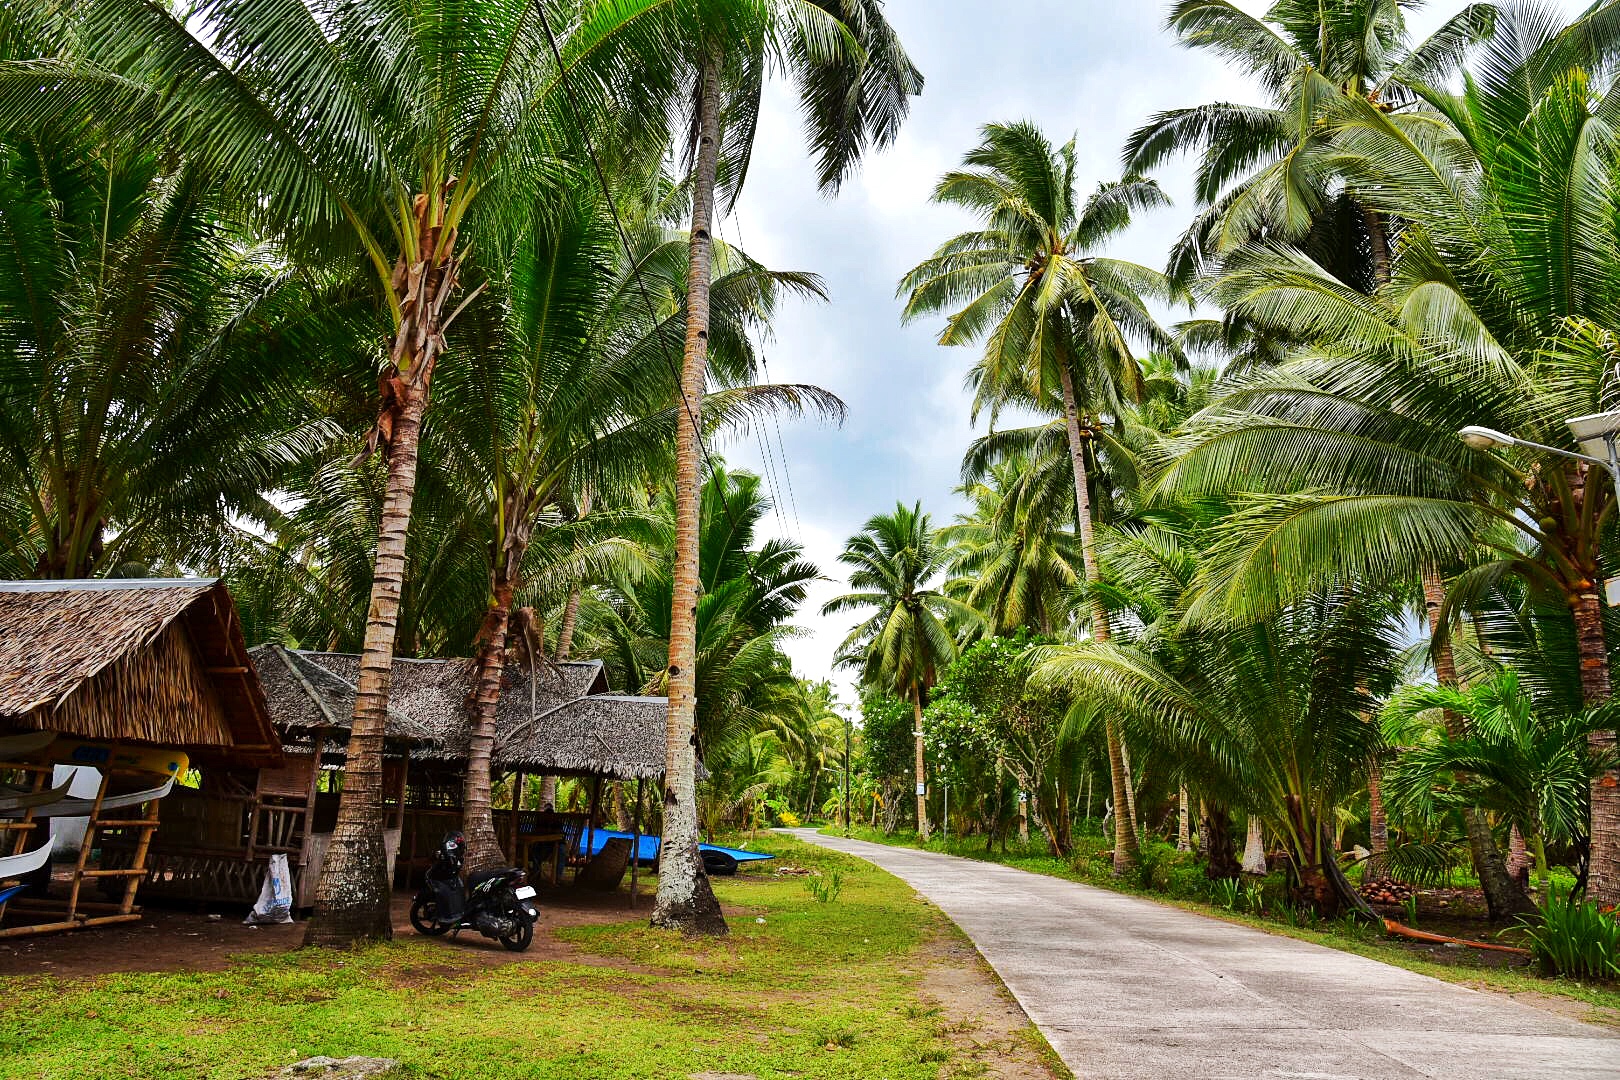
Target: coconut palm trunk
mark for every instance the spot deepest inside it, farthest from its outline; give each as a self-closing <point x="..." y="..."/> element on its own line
<point x="922" y="777"/>
<point x="685" y="899"/>
<point x="1377" y="819"/>
<point x="1603" y="878"/>
<point x="352" y="896"/>
<point x="1503" y="895"/>
<point x="1183" y="825"/>
<point x="477" y="818"/>
<point x="1126" y="854"/>
<point x="565" y="629"/>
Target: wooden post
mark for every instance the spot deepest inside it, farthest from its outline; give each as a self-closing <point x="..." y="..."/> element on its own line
<point x="137" y="864"/>
<point x="311" y="796"/>
<point x="635" y="844"/>
<point x="85" y="845"/>
<point x="517" y="807"/>
<point x="590" y="821"/>
<point x="400" y="790"/>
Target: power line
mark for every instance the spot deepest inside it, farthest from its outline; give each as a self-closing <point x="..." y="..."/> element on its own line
<point x="762" y="434"/>
<point x="630" y="256"/>
<point x="776" y="422"/>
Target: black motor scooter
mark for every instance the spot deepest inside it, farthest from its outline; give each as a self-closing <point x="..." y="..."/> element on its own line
<point x="498" y="903"/>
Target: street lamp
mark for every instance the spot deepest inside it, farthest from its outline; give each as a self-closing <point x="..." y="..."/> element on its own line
<point x="1597" y="436"/>
<point x="848" y="724"/>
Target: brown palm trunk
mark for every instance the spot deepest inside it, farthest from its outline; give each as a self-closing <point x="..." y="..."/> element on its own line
<point x="922" y="776"/>
<point x="1603" y="879"/>
<point x="1126" y="853"/>
<point x="1378" y="244"/>
<point x="1183" y="824"/>
<point x="352" y="896"/>
<point x="477" y="819"/>
<point x="685" y="899"/>
<point x="565" y="631"/>
<point x="1504" y="897"/>
<point x="1377" y="820"/>
<point x="1215" y="832"/>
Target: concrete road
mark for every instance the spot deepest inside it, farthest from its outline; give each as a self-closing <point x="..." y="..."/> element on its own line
<point x="1127" y="989"/>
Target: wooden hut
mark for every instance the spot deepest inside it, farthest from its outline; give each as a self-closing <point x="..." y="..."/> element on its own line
<point x="559" y="721"/>
<point x="140" y="678"/>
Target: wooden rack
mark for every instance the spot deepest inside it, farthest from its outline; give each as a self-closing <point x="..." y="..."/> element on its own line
<point x="78" y="913"/>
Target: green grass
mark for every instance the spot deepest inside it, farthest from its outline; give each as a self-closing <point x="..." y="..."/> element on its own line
<point x="1465" y="966"/>
<point x="817" y="990"/>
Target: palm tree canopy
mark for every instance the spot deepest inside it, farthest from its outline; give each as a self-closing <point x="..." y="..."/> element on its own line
<point x="909" y="636"/>
<point x="1032" y="284"/>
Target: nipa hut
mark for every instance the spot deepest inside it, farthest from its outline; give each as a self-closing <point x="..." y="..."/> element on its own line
<point x="149" y="682"/>
<point x="559" y="722"/>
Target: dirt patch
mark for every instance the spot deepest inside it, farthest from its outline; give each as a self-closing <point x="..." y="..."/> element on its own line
<point x="1571" y="1008"/>
<point x="980" y="1017"/>
<point x="171" y="939"/>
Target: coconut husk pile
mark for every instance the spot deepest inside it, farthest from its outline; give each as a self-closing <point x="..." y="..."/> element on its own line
<point x="1387" y="891"/>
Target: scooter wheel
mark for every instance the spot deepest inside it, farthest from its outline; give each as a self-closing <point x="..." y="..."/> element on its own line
<point x="521" y="937"/>
<point x="424" y="916"/>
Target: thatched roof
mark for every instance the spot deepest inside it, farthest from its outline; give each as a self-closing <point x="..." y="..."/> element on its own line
<point x="559" y="722"/>
<point x="153" y="661"/>
<point x="600" y="735"/>
<point x="305" y="697"/>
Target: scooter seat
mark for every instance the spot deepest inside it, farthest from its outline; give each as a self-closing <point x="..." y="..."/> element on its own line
<point x="477" y="879"/>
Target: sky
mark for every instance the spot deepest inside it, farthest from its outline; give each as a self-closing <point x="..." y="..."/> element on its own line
<point x="1093" y="69"/>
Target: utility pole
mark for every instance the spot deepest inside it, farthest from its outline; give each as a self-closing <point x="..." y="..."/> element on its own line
<point x="847" y="726"/>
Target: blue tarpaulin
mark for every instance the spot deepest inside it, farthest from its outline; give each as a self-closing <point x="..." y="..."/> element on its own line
<point x="648" y="852"/>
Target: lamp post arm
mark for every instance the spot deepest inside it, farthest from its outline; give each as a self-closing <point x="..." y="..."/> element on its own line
<point x="1612" y="465"/>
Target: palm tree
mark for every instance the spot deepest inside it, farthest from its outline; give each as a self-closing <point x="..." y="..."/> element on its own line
<point x="855" y="83"/>
<point x="908" y="638"/>
<point x="572" y="392"/>
<point x="136" y="415"/>
<point x="1009" y="557"/>
<point x="751" y="589"/>
<point x="1268" y="169"/>
<point x="1056" y="317"/>
<point x="1498" y="313"/>
<point x="362" y="137"/>
<point x="1533" y="771"/>
<point x="1269" y="716"/>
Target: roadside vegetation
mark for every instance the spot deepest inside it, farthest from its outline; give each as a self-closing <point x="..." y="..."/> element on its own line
<point x="1177" y="878"/>
<point x="1295" y="595"/>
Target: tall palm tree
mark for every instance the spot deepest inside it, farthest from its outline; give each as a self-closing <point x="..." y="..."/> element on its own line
<point x="1500" y="312"/>
<point x="909" y="637"/>
<point x="1268" y="169"/>
<point x="365" y="136"/>
<point x="572" y="392"/>
<point x="854" y="83"/>
<point x="1056" y="318"/>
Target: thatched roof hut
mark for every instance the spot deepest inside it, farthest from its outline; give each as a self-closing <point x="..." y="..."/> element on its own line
<point x="561" y="721"/>
<point x="621" y="738"/>
<point x="147" y="661"/>
<point x="305" y="697"/>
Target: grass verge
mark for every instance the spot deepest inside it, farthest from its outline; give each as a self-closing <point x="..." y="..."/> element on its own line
<point x="1463" y="966"/>
<point x="800" y="989"/>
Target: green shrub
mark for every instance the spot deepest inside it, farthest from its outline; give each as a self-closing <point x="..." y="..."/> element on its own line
<point x="1189" y="883"/>
<point x="1575" y="939"/>
<point x="1227" y="892"/>
<point x="824" y="888"/>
